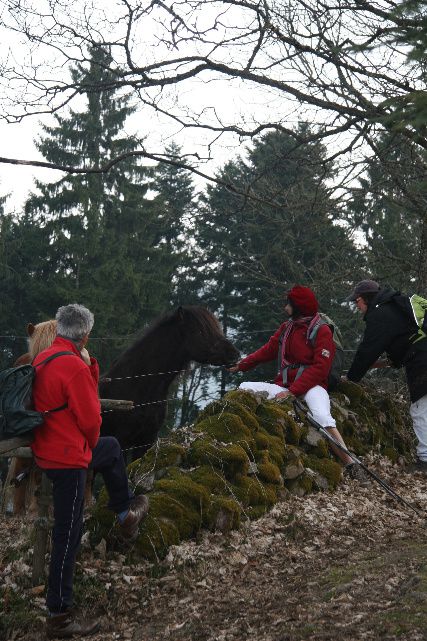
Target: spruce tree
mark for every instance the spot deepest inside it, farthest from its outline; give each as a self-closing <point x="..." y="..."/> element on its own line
<point x="100" y="248"/>
<point x="388" y="207"/>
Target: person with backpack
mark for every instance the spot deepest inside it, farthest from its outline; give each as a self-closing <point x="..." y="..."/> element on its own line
<point x="64" y="446"/>
<point x="304" y="364"/>
<point x="394" y="326"/>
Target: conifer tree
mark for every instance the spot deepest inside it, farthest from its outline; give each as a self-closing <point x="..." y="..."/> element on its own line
<point x="100" y="246"/>
<point x="388" y="207"/>
<point x="287" y="234"/>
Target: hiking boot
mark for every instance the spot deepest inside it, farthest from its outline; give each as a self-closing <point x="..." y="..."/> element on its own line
<point x="66" y="626"/>
<point x="355" y="472"/>
<point x="137" y="511"/>
<point x="418" y="466"/>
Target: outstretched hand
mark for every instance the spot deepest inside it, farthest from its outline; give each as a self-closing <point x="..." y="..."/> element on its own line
<point x="233" y="369"/>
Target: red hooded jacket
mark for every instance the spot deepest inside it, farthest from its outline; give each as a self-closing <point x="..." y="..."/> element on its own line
<point x="298" y="350"/>
<point x="66" y="438"/>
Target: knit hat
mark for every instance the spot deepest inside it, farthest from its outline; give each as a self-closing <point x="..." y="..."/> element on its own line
<point x="303" y="299"/>
<point x="364" y="287"/>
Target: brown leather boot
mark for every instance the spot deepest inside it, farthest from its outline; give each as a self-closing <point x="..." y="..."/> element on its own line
<point x="67" y="626"/>
<point x="137" y="511"/>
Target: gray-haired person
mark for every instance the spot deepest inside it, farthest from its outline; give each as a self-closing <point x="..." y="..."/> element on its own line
<point x="65" y="446"/>
<point x="389" y="329"/>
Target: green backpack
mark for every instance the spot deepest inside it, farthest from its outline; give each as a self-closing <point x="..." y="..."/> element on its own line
<point x="418" y="306"/>
<point x="16" y="414"/>
<point x="338" y="362"/>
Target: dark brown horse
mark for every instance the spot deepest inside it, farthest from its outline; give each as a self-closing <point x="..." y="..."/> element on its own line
<point x="185" y="335"/>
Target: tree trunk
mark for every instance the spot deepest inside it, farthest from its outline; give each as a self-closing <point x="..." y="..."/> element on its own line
<point x="224" y="373"/>
<point x="422" y="260"/>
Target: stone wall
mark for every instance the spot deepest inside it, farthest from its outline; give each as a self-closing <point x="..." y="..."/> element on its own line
<point x="243" y="455"/>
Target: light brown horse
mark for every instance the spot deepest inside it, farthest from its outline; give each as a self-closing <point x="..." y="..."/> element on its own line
<point x="40" y="337"/>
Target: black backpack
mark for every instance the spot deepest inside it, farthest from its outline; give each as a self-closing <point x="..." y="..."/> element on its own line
<point x="16" y="414"/>
<point x="338" y="362"/>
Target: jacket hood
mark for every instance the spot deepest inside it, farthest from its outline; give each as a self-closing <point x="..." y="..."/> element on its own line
<point x="384" y="295"/>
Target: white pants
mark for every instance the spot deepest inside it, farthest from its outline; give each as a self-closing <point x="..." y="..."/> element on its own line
<point x="317" y="399"/>
<point x="418" y="411"/>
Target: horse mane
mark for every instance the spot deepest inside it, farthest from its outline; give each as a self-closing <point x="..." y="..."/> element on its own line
<point x="206" y="323"/>
<point x="42" y="337"/>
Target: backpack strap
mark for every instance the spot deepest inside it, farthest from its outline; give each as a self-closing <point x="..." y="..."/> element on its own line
<point x="53" y="356"/>
<point x="47" y="360"/>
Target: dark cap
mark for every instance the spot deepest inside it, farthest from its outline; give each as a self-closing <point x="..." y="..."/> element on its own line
<point x="364" y="287"/>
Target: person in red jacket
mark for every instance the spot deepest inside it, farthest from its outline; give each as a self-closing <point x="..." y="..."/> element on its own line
<point x="64" y="446"/>
<point x="303" y="368"/>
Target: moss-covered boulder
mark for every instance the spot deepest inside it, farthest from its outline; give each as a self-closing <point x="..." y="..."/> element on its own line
<point x="244" y="454"/>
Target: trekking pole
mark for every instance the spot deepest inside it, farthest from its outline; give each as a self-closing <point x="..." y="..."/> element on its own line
<point x="299" y="408"/>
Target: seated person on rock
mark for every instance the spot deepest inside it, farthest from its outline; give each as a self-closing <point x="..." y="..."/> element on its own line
<point x="303" y="368"/>
<point x="64" y="446"/>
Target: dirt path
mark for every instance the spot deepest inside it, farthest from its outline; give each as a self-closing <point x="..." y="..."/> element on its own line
<point x="348" y="565"/>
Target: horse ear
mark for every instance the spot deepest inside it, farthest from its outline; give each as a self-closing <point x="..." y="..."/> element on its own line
<point x="180" y="313"/>
<point x="30" y="329"/>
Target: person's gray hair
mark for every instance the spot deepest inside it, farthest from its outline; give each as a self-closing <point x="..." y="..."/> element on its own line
<point x="74" y="321"/>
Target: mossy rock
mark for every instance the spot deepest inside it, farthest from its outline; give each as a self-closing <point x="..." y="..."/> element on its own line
<point x="267" y="470"/>
<point x="246" y="399"/>
<point x="249" y="490"/>
<point x="272" y="417"/>
<point x="329" y="469"/>
<point x="211" y="478"/>
<point x="224" y="514"/>
<point x="353" y="391"/>
<point x="231" y="459"/>
<point x="229" y="406"/>
<point x="300" y="486"/>
<point x="274" y="444"/>
<point x="156" y="538"/>
<point x="178" y="485"/>
<point x="227" y="428"/>
<point x="294" y="432"/>
<point x="158" y="458"/>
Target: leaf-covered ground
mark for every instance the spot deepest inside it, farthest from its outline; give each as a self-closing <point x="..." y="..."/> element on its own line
<point x="350" y="564"/>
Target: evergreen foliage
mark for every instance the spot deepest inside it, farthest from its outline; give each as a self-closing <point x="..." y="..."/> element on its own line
<point x="391" y="199"/>
<point x="255" y="249"/>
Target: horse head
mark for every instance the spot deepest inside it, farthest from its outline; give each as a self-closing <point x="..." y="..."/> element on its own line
<point x="203" y="338"/>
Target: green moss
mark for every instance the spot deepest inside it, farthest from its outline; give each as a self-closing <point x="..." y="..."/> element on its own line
<point x="249" y="490"/>
<point x="331" y="470"/>
<point x="187" y="517"/>
<point x="224" y="514"/>
<point x="230" y="459"/>
<point x="210" y="478"/>
<point x="353" y="391"/>
<point x="227" y="428"/>
<point x="272" y="417"/>
<point x="268" y="471"/>
<point x="246" y="399"/>
<point x="155" y="539"/>
<point x="183" y="489"/>
<point x="274" y="444"/>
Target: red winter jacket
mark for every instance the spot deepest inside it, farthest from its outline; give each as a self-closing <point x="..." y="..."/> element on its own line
<point x="66" y="438"/>
<point x="298" y="350"/>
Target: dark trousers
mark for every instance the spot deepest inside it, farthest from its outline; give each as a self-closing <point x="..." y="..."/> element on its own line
<point x="68" y="503"/>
